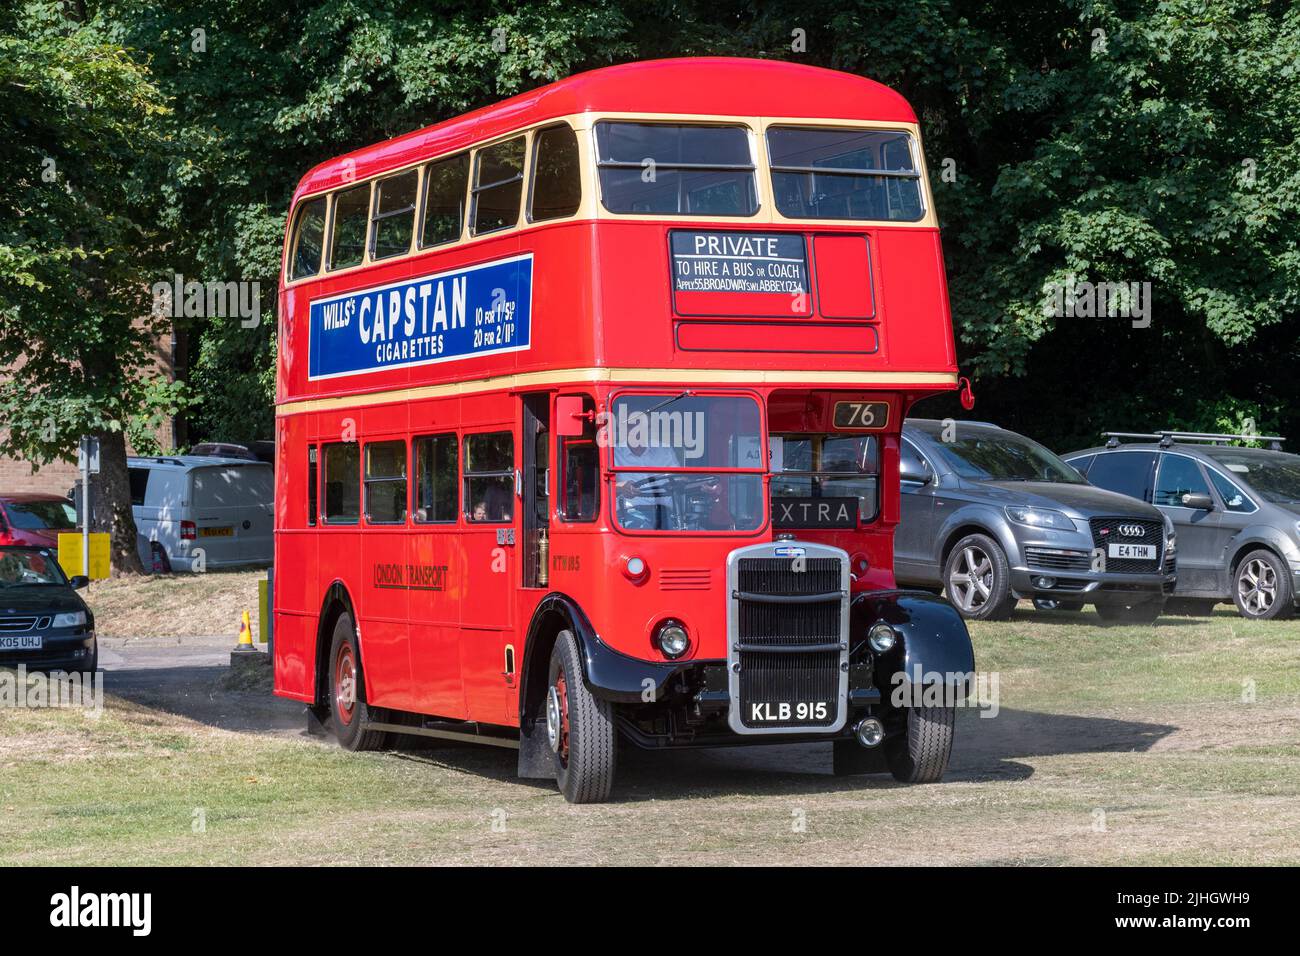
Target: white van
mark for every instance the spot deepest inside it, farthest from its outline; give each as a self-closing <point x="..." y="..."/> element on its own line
<point x="222" y="507"/>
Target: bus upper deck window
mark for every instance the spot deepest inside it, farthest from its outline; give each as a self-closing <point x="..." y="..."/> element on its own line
<point x="446" y="182"/>
<point x="394" y="218"/>
<point x="490" y="477"/>
<point x="557" y="182"/>
<point x="659" y="168"/>
<point x="498" y="185"/>
<point x="351" y="216"/>
<point x="845" y="174"/>
<point x="309" y="240"/>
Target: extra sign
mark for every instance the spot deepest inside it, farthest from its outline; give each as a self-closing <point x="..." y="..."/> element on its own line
<point x="739" y="273"/>
<point x="460" y="314"/>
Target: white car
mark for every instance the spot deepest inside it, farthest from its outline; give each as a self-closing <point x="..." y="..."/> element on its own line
<point x="195" y="512"/>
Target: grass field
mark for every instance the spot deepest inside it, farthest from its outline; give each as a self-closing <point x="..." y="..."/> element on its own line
<point x="1174" y="743"/>
<point x="181" y="605"/>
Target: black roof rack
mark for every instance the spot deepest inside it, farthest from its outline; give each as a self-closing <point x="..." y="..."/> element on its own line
<point x="1168" y="436"/>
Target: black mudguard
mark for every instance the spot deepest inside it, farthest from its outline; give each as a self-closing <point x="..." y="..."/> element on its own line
<point x="607" y="673"/>
<point x="933" y="644"/>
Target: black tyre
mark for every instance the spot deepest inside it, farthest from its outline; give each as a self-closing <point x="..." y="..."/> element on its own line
<point x="579" y="728"/>
<point x="1261" y="587"/>
<point x="978" y="579"/>
<point x="351" y="715"/>
<point x="920" y="755"/>
<point x="1051" y="604"/>
<point x="1191" y="607"/>
<point x="1145" y="613"/>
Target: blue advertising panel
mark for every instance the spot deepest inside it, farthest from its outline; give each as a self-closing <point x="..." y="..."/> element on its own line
<point x="460" y="314"/>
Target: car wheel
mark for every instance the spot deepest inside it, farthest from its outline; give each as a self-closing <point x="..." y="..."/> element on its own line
<point x="579" y="728"/>
<point x="920" y="754"/>
<point x="1145" y="613"/>
<point x="978" y="579"/>
<point x="1191" y="607"/>
<point x="348" y="705"/>
<point x="1051" y="604"/>
<point x="1262" y="587"/>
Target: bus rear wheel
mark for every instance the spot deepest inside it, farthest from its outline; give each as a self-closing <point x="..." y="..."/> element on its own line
<point x="348" y="707"/>
<point x="579" y="728"/>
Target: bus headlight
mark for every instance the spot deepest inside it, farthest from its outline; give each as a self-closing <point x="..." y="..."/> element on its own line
<point x="672" y="638"/>
<point x="881" y="637"/>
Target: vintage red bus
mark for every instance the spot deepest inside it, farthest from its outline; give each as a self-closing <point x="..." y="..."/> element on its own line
<point x="588" y="412"/>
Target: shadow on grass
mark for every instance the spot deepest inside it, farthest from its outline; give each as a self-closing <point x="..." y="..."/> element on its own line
<point x="984" y="749"/>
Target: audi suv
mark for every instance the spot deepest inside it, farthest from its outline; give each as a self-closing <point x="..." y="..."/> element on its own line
<point x="991" y="517"/>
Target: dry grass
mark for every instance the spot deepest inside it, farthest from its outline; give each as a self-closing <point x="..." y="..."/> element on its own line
<point x="1125" y="745"/>
<point x="180" y="605"/>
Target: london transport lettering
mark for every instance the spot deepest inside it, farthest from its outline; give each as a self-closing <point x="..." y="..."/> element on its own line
<point x="739" y="262"/>
<point x="410" y="577"/>
<point x="465" y="313"/>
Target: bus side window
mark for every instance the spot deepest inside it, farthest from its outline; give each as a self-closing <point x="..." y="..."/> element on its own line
<point x="386" y="482"/>
<point x="490" y="477"/>
<point x="312" y="469"/>
<point x="351" y="216"/>
<point x="435" y="478"/>
<point x="309" y="239"/>
<point x="394" y="218"/>
<point x="498" y="185"/>
<point x="579" y="479"/>
<point x="444" y="200"/>
<point x="557" y="183"/>
<point x="342" y="483"/>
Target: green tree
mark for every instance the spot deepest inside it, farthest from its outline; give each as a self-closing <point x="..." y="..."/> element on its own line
<point x="80" y="146"/>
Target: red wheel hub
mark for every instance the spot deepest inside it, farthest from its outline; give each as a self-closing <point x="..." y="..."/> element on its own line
<point x="562" y="692"/>
<point x="345" y="685"/>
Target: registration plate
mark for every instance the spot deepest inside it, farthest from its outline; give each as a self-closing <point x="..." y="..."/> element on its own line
<point x="21" y="642"/>
<point x="216" y="532"/>
<point x="783" y="711"/>
<point x="1142" y="552"/>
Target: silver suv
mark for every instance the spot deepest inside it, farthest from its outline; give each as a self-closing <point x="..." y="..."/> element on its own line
<point x="992" y="516"/>
<point x="1236" y="511"/>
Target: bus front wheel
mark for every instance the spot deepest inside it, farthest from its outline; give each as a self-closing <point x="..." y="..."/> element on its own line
<point x="348" y="706"/>
<point x="579" y="728"/>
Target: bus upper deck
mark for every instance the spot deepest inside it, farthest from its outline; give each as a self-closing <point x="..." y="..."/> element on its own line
<point x="692" y="214"/>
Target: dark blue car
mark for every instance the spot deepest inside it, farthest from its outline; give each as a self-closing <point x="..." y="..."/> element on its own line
<point x="44" y="623"/>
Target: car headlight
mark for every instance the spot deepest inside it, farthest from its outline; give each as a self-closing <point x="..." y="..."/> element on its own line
<point x="70" y="619"/>
<point x="1040" y="518"/>
<point x="1171" y="539"/>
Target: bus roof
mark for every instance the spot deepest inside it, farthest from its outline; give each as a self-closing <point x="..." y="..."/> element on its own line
<point x="706" y="86"/>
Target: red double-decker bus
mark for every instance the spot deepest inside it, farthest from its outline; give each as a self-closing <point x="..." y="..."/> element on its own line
<point x="588" y="412"/>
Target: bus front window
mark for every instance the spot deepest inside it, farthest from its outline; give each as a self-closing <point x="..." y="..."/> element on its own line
<point x="686" y="462"/>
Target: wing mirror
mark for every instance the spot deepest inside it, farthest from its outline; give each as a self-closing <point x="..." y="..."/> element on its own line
<point x="78" y="581"/>
<point x="1199" y="502"/>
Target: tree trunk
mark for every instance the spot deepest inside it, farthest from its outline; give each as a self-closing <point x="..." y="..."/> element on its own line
<point x="115" y="488"/>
